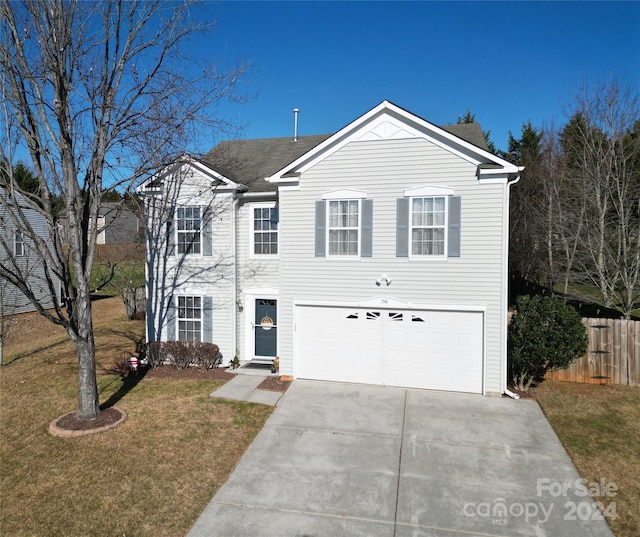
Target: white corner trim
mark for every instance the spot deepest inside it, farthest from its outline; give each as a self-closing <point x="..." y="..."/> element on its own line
<point x="428" y="190"/>
<point x="344" y="195"/>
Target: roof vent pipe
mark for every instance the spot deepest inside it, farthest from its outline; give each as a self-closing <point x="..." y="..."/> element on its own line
<point x="295" y="124"/>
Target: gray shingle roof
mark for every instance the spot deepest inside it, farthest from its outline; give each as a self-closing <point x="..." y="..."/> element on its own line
<point x="470" y="132"/>
<point x="248" y="162"/>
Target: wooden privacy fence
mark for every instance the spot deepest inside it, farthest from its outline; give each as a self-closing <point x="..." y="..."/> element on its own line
<point x="612" y="357"/>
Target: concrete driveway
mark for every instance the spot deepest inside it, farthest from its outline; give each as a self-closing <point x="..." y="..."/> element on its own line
<point x="344" y="459"/>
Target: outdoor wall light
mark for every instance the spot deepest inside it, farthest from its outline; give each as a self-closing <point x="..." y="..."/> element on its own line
<point x="383" y="279"/>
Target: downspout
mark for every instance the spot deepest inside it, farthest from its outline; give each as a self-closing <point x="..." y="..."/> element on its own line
<point x="505" y="283"/>
<point x="234" y="254"/>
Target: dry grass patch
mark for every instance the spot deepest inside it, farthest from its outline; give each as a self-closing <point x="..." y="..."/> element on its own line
<point x="600" y="428"/>
<point x="151" y="476"/>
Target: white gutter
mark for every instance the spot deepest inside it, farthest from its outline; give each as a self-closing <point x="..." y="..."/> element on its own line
<point x="250" y="195"/>
<point x="505" y="283"/>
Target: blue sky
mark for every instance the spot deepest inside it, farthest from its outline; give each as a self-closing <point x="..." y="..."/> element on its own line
<point x="507" y="62"/>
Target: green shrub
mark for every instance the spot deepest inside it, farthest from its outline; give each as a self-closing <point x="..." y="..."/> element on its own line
<point x="545" y="333"/>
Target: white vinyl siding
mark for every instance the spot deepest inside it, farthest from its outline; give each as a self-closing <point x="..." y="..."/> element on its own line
<point x="384" y="169"/>
<point x="210" y="274"/>
<point x="255" y="272"/>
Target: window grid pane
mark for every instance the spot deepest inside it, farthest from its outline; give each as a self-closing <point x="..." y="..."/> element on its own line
<point x="343" y="227"/>
<point x="189" y="318"/>
<point x="189" y="230"/>
<point x="428" y="226"/>
<point x="18" y="244"/>
<point x="265" y="232"/>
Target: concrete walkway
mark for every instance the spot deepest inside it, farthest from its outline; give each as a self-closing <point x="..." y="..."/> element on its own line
<point x="353" y="460"/>
<point x="245" y="388"/>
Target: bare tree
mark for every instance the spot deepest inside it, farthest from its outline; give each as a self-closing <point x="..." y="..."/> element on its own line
<point x="562" y="211"/>
<point x="98" y="94"/>
<point x="602" y="151"/>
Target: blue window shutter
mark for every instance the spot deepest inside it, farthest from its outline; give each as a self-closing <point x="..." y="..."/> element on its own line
<point x="453" y="242"/>
<point x="402" y="227"/>
<point x="321" y="228"/>
<point x="207" y="319"/>
<point x="207" y="232"/>
<point x="171" y="318"/>
<point x="366" y="243"/>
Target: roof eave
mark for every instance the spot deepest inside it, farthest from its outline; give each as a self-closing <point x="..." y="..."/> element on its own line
<point x="480" y="155"/>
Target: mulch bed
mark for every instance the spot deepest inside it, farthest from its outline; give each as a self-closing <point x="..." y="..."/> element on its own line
<point x="274" y="384"/>
<point x="166" y="372"/>
<point x="108" y="416"/>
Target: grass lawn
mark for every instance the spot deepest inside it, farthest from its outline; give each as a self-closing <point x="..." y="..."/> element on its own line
<point x="600" y="428"/>
<point x="151" y="476"/>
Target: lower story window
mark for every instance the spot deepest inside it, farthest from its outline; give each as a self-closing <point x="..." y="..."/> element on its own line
<point x="189" y="318"/>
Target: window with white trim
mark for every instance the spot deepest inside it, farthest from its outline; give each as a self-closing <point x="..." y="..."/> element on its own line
<point x="344" y="226"/>
<point x="428" y="224"/>
<point x="18" y="244"/>
<point x="189" y="229"/>
<point x="265" y="231"/>
<point x="189" y="318"/>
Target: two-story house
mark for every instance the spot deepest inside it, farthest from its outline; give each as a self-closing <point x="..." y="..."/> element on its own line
<point x="377" y="254"/>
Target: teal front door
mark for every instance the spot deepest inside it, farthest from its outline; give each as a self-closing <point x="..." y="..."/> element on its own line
<point x="266" y="328"/>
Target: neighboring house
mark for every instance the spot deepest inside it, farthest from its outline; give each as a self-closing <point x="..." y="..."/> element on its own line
<point x="18" y="256"/>
<point x="374" y="255"/>
<point x="117" y="224"/>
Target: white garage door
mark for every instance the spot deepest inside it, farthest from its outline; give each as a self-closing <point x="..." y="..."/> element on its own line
<point x="439" y="350"/>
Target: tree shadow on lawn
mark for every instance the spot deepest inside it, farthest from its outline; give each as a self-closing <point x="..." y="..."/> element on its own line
<point x="139" y="341"/>
<point x="130" y="379"/>
<point x="129" y="382"/>
<point x="15" y="358"/>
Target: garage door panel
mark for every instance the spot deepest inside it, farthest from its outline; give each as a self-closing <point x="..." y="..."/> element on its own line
<point x="339" y="344"/>
<point x="440" y="350"/>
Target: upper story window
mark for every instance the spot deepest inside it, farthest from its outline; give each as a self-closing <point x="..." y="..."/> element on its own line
<point x="189" y="230"/>
<point x="428" y="220"/>
<point x="265" y="231"/>
<point x="18" y="244"/>
<point x="344" y="227"/>
<point x="428" y="223"/>
<point x="344" y="224"/>
<point x="189" y="318"/>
